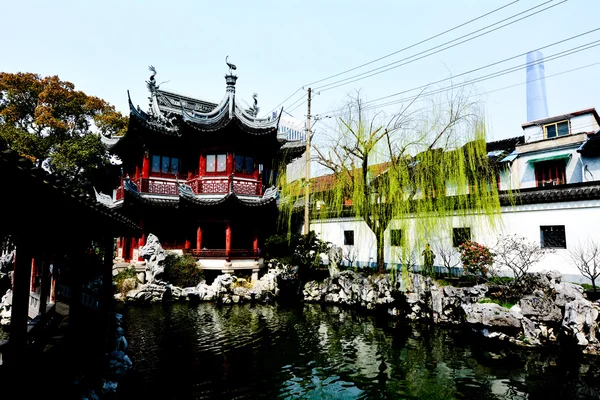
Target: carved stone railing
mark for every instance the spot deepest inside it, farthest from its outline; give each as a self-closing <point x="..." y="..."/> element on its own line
<point x="222" y="253"/>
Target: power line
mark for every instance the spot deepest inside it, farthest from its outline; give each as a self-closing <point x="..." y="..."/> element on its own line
<point x="480" y="79"/>
<point x="411" y="59"/>
<point x="414" y="44"/>
<point x="485" y="66"/>
<point x="403" y="49"/>
<point x="496" y="74"/>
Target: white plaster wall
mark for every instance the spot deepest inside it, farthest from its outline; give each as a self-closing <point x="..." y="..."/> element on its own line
<point x="590" y="169"/>
<point x="533" y="133"/>
<point x="580" y="219"/>
<point x="584" y="123"/>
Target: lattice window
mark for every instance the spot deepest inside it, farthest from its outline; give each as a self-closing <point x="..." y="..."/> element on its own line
<point x="553" y="236"/>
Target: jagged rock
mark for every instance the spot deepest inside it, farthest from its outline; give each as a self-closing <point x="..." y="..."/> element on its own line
<point x="490" y="315"/>
<point x="581" y="321"/>
<point x="155" y="256"/>
<point x="539" y="308"/>
<point x="567" y="292"/>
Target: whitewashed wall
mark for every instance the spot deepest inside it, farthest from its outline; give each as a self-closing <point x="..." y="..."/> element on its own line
<point x="580" y="218"/>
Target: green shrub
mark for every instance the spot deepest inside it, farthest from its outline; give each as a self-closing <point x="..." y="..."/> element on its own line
<point x="182" y="271"/>
<point x="505" y="304"/>
<point x="500" y="280"/>
<point x="120" y="279"/>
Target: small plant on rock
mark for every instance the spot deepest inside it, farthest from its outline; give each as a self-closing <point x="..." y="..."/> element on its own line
<point x="476" y="258"/>
<point x="126" y="280"/>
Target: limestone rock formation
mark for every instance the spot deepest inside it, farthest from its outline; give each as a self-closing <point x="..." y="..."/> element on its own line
<point x="155" y="256"/>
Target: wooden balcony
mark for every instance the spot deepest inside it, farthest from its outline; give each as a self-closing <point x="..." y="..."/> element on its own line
<point x="200" y="185"/>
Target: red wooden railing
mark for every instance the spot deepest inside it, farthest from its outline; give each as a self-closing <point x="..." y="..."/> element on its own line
<point x="202" y="185"/>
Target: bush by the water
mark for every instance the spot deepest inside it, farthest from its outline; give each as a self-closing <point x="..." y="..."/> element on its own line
<point x="182" y="271"/>
<point x="126" y="279"/>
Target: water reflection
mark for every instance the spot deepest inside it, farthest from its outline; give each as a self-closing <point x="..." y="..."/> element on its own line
<point x="183" y="351"/>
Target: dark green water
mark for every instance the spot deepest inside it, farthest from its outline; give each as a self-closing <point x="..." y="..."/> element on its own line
<point x="183" y="351"/>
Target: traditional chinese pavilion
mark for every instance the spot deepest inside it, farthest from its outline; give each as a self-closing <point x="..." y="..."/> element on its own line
<point x="200" y="176"/>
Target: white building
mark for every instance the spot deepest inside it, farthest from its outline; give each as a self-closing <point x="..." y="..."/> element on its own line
<point x="554" y="173"/>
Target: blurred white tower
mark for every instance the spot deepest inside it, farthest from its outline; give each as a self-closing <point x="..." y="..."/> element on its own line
<point x="537" y="108"/>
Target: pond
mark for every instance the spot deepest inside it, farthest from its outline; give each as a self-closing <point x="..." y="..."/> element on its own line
<point x="206" y="351"/>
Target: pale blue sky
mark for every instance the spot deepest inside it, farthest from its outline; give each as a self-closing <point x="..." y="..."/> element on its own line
<point x="105" y="48"/>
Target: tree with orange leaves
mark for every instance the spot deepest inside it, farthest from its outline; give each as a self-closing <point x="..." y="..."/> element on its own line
<point x="56" y="126"/>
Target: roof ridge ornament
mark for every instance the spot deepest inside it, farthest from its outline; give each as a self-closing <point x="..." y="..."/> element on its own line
<point x="231" y="66"/>
<point x="230" y="78"/>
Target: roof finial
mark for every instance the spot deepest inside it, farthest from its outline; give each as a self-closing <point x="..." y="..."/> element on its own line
<point x="231" y="66"/>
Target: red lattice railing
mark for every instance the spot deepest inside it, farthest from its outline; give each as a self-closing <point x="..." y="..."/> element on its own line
<point x="204" y="185"/>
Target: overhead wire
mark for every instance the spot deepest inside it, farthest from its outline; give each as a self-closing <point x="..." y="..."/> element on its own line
<point x="486" y="66"/>
<point x="496" y="74"/>
<point x="399" y="51"/>
<point x="414" y="44"/>
<point x="411" y="59"/>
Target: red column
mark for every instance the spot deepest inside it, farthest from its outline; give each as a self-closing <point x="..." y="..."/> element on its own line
<point x="229" y="163"/>
<point x="146" y="166"/>
<point x="199" y="238"/>
<point x="137" y="172"/>
<point x="52" y="282"/>
<point x="142" y="240"/>
<point x="32" y="276"/>
<point x="255" y="242"/>
<point x="227" y="238"/>
<point x="202" y="166"/>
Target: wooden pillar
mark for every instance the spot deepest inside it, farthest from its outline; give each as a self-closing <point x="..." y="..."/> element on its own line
<point x="53" y="274"/>
<point x="187" y="244"/>
<point x="227" y="238"/>
<point x="255" y="243"/>
<point x="146" y="165"/>
<point x="142" y="240"/>
<point x="202" y="165"/>
<point x="33" y="273"/>
<point x="20" y="305"/>
<point x="44" y="286"/>
<point x="229" y="163"/>
<point x="199" y="238"/>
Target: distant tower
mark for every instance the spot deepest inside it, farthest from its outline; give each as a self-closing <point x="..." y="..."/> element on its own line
<point x="537" y="108"/>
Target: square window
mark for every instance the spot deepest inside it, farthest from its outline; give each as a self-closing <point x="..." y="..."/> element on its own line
<point x="396" y="237"/>
<point x="553" y="237"/>
<point x="556" y="129"/>
<point x="349" y="238"/>
<point x="460" y="235"/>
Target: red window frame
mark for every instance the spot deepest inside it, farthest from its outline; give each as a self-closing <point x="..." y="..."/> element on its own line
<point x="550" y="173"/>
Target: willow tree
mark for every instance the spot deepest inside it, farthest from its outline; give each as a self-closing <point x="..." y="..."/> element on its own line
<point x="416" y="168"/>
